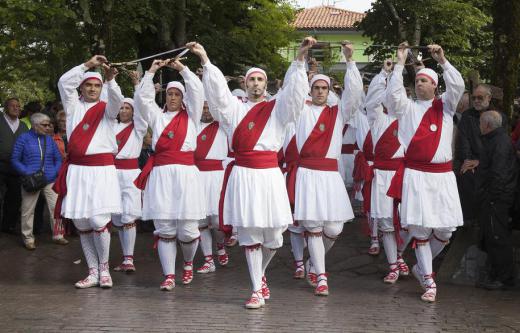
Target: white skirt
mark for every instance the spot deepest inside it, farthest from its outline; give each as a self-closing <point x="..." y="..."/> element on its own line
<point x="174" y="192"/>
<point x="381" y="205"/>
<point x="321" y="196"/>
<point x="257" y="198"/>
<point x="130" y="195"/>
<point x="430" y="200"/>
<point x="346" y="166"/>
<point x="91" y="190"/>
<point x="212" y="183"/>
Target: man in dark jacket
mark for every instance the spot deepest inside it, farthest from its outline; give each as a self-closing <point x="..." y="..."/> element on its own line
<point x="468" y="146"/>
<point x="496" y="187"/>
<point x="10" y="196"/>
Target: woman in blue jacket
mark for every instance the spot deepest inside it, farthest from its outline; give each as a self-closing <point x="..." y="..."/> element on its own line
<point x="26" y="160"/>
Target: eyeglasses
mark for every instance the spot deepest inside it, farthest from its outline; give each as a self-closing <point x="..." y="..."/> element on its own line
<point x="45" y="125"/>
<point x="480" y="98"/>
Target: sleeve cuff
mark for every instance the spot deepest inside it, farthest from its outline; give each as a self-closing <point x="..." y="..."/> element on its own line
<point x="446" y="66"/>
<point x="112" y="83"/>
<point x="185" y="71"/>
<point x="84" y="68"/>
<point x="148" y="75"/>
<point x="207" y="64"/>
<point x="351" y="64"/>
<point x="398" y="68"/>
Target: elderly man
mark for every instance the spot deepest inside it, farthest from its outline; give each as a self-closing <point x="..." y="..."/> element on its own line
<point x="255" y="198"/>
<point x="496" y="185"/>
<point x="468" y="146"/>
<point x="10" y="196"/>
<point x="425" y="182"/>
<point x="33" y="151"/>
<point x="87" y="185"/>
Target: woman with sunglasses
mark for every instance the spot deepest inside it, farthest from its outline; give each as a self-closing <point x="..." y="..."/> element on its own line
<point x="29" y="151"/>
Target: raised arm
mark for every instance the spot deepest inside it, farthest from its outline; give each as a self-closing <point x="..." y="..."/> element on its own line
<point x="144" y="97"/>
<point x="376" y="93"/>
<point x="222" y="104"/>
<point x="454" y="88"/>
<point x="290" y="101"/>
<point x="194" y="94"/>
<point x="352" y="96"/>
<point x="70" y="81"/>
<point x="396" y="100"/>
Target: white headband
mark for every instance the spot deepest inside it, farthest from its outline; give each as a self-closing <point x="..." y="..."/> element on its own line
<point x="429" y="73"/>
<point x="176" y="85"/>
<point x="255" y="70"/>
<point x="128" y="101"/>
<point x="91" y="75"/>
<point x="320" y="77"/>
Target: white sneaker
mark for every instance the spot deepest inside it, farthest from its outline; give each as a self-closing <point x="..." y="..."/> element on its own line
<point x="208" y="267"/>
<point x="92" y="280"/>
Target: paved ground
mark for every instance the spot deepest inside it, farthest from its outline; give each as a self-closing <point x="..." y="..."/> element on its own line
<point x="37" y="294"/>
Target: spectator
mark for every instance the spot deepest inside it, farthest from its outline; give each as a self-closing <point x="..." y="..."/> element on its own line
<point x="468" y="146"/>
<point x="496" y="186"/>
<point x="146" y="150"/>
<point x="28" y="110"/>
<point x="10" y="197"/>
<point x="28" y="151"/>
<point x="59" y="134"/>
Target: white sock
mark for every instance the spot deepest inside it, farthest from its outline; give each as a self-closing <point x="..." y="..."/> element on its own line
<point x="406" y="237"/>
<point x="436" y="247"/>
<point x="89" y="250"/>
<point x="327" y="243"/>
<point x="189" y="250"/>
<point x="390" y="244"/>
<point x="297" y="246"/>
<point x="317" y="253"/>
<point x="254" y="262"/>
<point x="129" y="241"/>
<point x="205" y="242"/>
<point x="102" y="243"/>
<point x="423" y="253"/>
<point x="267" y="255"/>
<point x="167" y="253"/>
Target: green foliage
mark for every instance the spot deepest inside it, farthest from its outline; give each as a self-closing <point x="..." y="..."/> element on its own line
<point x="461" y="27"/>
<point x="41" y="39"/>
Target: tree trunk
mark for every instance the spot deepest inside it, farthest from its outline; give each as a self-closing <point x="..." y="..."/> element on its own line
<point x="179" y="34"/>
<point x="400" y="28"/>
<point x="506" y="56"/>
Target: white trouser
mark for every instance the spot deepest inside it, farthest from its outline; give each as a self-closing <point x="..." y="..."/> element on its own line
<point x="270" y="238"/>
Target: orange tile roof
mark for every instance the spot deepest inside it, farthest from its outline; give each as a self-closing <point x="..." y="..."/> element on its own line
<point x="327" y="17"/>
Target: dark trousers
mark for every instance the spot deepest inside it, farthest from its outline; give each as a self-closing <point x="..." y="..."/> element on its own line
<point x="467" y="187"/>
<point x="496" y="240"/>
<point x="10" y="201"/>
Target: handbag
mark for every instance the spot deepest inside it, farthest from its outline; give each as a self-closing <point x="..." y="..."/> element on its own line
<point x="36" y="181"/>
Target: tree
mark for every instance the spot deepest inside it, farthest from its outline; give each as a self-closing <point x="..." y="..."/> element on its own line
<point x="506" y="57"/>
<point x="459" y="26"/>
<point x="39" y="40"/>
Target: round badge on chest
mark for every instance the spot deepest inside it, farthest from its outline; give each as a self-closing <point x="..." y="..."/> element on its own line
<point x="250" y="125"/>
<point x="433" y="127"/>
<point x="85" y="127"/>
<point x="203" y="137"/>
<point x="170" y="134"/>
<point x="394" y="132"/>
<point x="322" y="127"/>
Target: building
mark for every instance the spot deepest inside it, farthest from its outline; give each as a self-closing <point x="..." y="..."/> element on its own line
<point x="330" y="25"/>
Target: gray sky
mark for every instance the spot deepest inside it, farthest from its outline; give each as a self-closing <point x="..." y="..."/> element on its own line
<point x="354" y="5"/>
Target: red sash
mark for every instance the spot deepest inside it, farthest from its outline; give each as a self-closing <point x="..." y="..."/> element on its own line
<point x="122" y="138"/>
<point x="349" y="148"/>
<point x="245" y="137"/>
<point x="314" y="150"/>
<point x="363" y="170"/>
<point x="291" y="155"/>
<point x="77" y="147"/>
<point x="420" y="153"/>
<point x="205" y="141"/>
<point x="168" y="148"/>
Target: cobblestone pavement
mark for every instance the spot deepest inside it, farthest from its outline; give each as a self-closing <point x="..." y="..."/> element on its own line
<point x="37" y="294"/>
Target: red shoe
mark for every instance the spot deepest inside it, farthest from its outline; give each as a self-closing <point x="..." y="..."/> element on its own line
<point x="322" y="288"/>
<point x="208" y="267"/>
<point x="299" y="273"/>
<point x="169" y="283"/>
<point x="404" y="270"/>
<point x="312" y="278"/>
<point x="223" y="259"/>
<point x="187" y="275"/>
<point x="393" y="275"/>
<point x="256" y="301"/>
<point x="266" y="293"/>
<point x="431" y="290"/>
